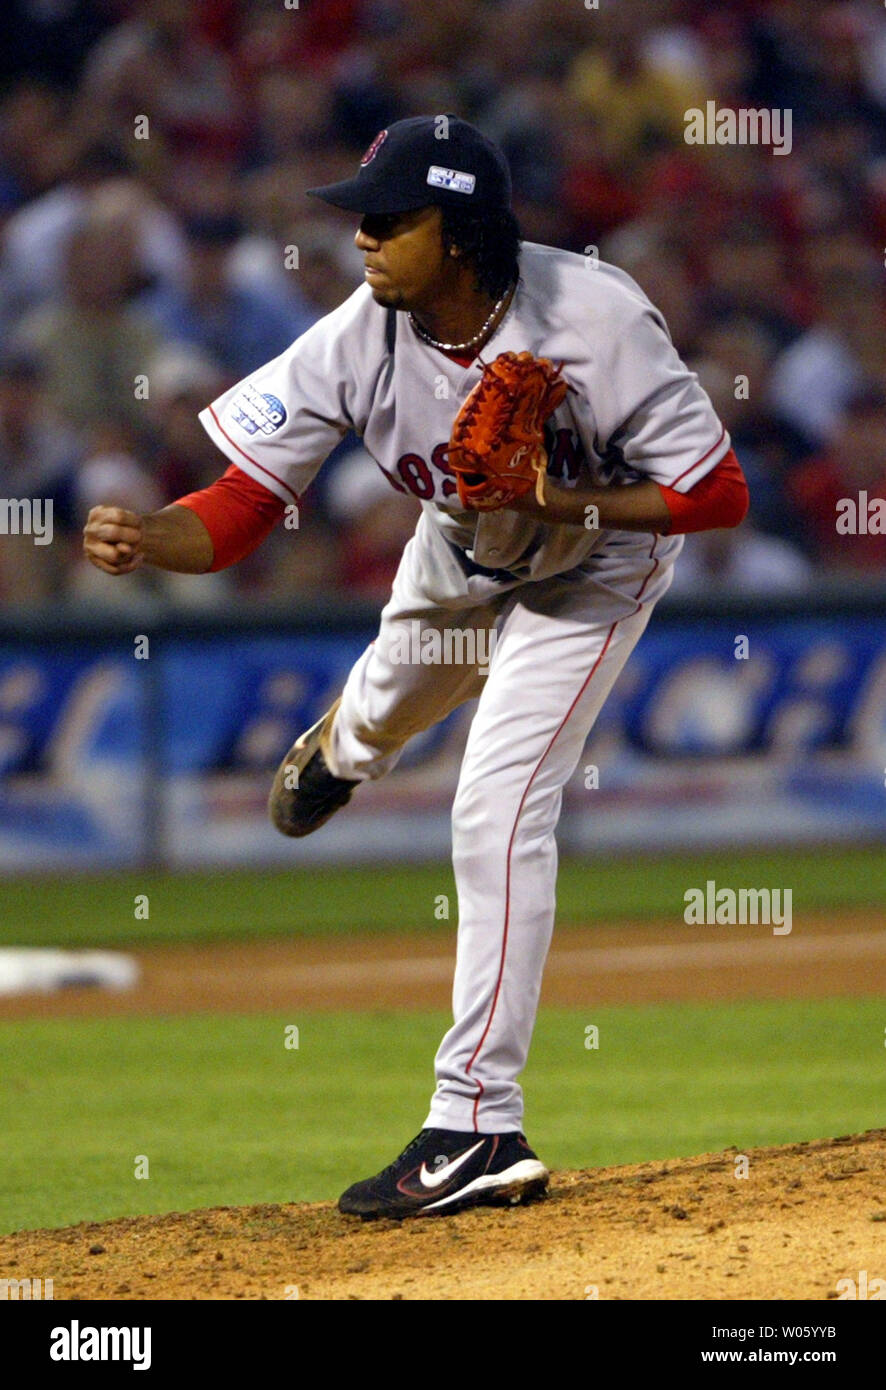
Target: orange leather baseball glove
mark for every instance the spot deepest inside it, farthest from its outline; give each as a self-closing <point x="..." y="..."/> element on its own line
<point x="496" y="448"/>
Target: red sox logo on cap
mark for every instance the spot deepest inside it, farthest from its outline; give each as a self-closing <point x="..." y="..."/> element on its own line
<point x="374" y="148"/>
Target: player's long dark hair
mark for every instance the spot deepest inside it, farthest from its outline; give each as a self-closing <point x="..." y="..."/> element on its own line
<point x="489" y="240"/>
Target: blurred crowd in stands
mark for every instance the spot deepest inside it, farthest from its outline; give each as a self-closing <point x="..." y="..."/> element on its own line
<point x="153" y="161"/>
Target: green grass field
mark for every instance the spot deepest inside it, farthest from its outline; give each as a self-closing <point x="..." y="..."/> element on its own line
<point x="226" y="1114"/>
<point x="212" y="906"/>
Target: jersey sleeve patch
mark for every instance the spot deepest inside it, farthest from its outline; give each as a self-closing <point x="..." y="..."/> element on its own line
<point x="257" y="412"/>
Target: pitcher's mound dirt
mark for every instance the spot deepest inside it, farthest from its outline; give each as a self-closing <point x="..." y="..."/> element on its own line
<point x="805" y="1217"/>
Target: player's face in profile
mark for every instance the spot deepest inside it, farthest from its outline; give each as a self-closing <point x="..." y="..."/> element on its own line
<point x="405" y="261"/>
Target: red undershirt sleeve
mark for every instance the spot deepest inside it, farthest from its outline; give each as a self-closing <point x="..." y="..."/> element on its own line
<point x="237" y="512"/>
<point x="721" y="498"/>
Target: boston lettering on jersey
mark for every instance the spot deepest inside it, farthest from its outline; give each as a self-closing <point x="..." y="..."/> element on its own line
<point x="566" y="458"/>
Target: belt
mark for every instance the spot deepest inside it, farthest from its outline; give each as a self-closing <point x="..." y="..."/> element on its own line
<point x="471" y="567"/>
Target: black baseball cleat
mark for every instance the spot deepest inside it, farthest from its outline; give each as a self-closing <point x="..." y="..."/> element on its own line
<point x="446" y="1170"/>
<point x="305" y="793"/>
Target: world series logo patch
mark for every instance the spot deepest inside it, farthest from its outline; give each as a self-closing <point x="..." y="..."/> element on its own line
<point x="257" y="412"/>
<point x="454" y="179"/>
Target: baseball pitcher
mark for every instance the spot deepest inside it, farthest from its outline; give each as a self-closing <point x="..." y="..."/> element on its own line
<point x="533" y="401"/>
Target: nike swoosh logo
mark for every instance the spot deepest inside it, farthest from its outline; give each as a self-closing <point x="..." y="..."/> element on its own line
<point x="443" y="1174"/>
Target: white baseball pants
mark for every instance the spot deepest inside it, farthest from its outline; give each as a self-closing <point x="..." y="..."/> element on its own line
<point x="560" y="644"/>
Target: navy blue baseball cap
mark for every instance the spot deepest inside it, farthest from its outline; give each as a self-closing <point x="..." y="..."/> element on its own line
<point x="421" y="161"/>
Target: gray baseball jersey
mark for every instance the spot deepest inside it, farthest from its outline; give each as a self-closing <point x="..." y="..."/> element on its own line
<point x="635" y="410"/>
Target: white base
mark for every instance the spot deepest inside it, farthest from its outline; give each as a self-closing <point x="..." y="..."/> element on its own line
<point x="36" y="970"/>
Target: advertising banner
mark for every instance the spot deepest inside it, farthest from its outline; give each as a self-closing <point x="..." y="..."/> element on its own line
<point x="717" y="733"/>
